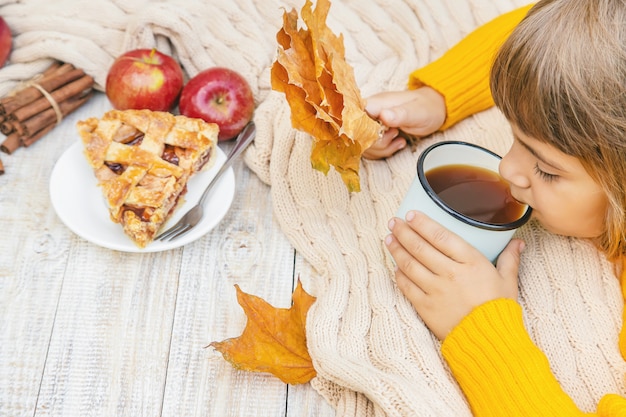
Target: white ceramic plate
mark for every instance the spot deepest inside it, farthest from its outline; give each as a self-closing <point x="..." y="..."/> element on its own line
<point x="79" y="203"/>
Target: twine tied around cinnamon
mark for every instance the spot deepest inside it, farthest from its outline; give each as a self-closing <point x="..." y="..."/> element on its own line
<point x="35" y="82"/>
<point x="48" y="96"/>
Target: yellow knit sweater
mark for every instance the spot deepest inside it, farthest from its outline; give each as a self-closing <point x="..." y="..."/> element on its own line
<point x="494" y="360"/>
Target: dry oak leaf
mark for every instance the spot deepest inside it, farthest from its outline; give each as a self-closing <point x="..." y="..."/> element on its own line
<point x="321" y="90"/>
<point x="274" y="339"/>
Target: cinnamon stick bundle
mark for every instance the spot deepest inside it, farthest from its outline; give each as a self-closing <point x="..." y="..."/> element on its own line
<point x="29" y="113"/>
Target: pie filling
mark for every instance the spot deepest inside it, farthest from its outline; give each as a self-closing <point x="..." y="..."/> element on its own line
<point x="169" y="155"/>
<point x="143" y="213"/>
<point x="204" y="159"/>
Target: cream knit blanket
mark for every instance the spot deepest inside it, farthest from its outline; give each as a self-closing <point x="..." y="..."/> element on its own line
<point x="373" y="355"/>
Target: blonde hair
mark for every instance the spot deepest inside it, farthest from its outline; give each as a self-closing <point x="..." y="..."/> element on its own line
<point x="561" y="78"/>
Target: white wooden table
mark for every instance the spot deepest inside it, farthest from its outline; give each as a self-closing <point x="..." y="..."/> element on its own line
<point x="87" y="331"/>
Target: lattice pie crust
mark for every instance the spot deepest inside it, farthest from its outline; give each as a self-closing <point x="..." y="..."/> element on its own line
<point x="143" y="160"/>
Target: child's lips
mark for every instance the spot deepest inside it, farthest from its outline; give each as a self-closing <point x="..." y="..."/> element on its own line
<point x="534" y="213"/>
<point x="519" y="200"/>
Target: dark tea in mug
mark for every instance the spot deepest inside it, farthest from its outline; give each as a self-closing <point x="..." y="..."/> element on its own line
<point x="476" y="192"/>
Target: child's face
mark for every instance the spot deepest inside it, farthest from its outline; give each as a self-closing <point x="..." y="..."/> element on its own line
<point x="564" y="198"/>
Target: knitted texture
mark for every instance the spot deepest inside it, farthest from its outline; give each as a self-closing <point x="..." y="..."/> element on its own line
<point x="373" y="355"/>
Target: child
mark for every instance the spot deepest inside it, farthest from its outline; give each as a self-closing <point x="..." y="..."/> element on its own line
<point x="560" y="79"/>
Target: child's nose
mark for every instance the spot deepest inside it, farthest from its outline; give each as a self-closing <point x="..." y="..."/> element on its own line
<point x="513" y="171"/>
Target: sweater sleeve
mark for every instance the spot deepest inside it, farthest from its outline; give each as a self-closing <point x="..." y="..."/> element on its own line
<point x="503" y="373"/>
<point x="461" y="75"/>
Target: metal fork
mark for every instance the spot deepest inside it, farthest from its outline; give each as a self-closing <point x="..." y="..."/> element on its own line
<point x="193" y="216"/>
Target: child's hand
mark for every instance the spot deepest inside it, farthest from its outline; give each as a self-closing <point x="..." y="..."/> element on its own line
<point x="418" y="112"/>
<point x="443" y="276"/>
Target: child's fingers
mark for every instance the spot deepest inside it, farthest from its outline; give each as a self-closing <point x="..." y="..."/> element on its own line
<point x="388" y="144"/>
<point x="376" y="103"/>
<point x="409" y="266"/>
<point x="418" y="248"/>
<point x="509" y="259"/>
<point x="410" y="290"/>
<point x="444" y="242"/>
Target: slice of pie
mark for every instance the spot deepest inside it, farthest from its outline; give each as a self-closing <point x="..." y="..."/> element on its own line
<point x="143" y="160"/>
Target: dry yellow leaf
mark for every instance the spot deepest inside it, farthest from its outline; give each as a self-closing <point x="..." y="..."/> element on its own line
<point x="320" y="87"/>
<point x="274" y="339"/>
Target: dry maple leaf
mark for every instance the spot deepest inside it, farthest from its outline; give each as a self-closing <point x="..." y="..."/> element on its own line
<point x="322" y="93"/>
<point x="274" y="339"/>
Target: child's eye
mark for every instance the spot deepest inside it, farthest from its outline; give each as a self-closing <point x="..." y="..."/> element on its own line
<point x="544" y="175"/>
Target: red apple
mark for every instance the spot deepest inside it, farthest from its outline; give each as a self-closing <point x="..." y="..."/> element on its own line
<point x="144" y="79"/>
<point x="5" y="41"/>
<point x="221" y="96"/>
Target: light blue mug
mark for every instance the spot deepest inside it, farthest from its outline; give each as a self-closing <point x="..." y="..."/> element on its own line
<point x="489" y="238"/>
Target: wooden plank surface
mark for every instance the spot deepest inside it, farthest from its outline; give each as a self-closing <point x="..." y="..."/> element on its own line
<point x="89" y="331"/>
